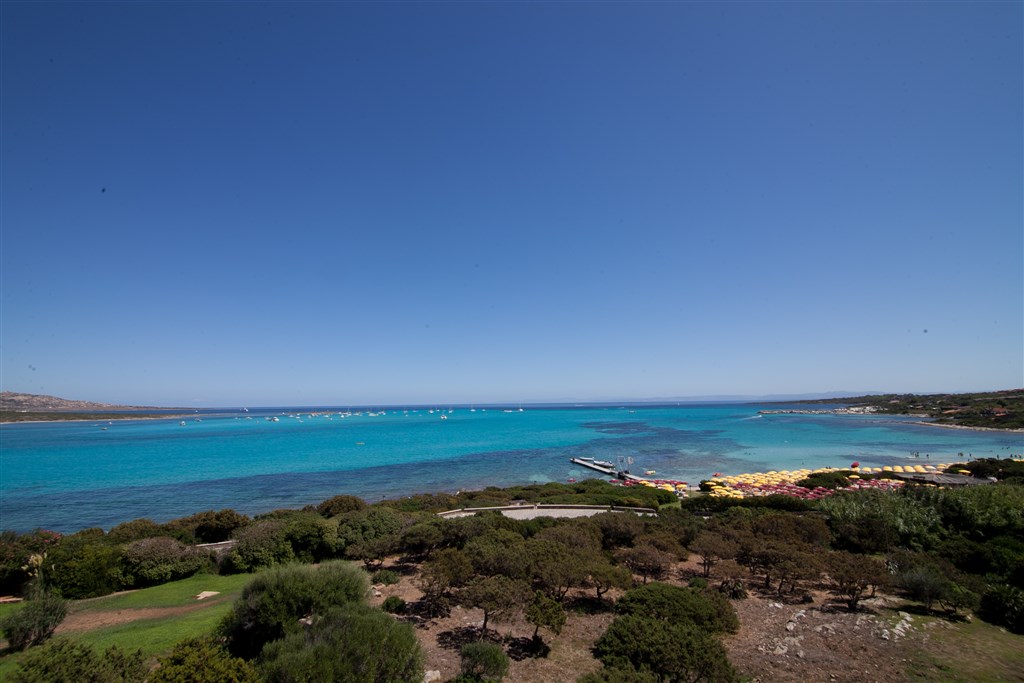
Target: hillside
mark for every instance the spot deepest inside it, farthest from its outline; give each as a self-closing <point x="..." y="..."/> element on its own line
<point x="992" y="410"/>
<point x="18" y="407"/>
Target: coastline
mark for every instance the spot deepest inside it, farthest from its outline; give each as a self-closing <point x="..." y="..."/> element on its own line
<point x="976" y="429"/>
<point x="105" y="418"/>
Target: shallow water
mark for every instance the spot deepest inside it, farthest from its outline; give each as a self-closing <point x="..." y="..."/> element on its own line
<point x="69" y="476"/>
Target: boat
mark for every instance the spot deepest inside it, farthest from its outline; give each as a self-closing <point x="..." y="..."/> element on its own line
<point x="603" y="463"/>
<point x="649" y="472"/>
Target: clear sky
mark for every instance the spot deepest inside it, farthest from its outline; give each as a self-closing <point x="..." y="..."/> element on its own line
<point x="233" y="203"/>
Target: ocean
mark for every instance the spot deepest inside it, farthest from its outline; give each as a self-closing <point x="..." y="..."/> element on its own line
<point x="67" y="476"/>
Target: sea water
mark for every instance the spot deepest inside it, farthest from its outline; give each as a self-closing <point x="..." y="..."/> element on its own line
<point x="67" y="476"/>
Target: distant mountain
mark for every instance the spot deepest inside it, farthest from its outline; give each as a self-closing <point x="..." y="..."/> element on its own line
<point x="15" y="402"/>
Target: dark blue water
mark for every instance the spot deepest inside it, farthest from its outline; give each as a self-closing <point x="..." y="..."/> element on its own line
<point x="68" y="476"/>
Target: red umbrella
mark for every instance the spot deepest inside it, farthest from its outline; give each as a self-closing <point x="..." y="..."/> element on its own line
<point x="855" y="464"/>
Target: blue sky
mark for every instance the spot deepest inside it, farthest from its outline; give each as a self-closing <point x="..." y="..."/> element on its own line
<point x="334" y="203"/>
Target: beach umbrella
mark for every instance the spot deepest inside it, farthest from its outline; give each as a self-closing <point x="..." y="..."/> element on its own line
<point x="855" y="465"/>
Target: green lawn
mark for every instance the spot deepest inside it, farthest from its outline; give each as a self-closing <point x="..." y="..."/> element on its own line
<point x="174" y="594"/>
<point x="154" y="636"/>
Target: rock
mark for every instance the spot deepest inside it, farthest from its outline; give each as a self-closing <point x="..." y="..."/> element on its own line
<point x="780" y="650"/>
<point x="884" y="635"/>
<point x="790" y="626"/>
<point x="431" y="676"/>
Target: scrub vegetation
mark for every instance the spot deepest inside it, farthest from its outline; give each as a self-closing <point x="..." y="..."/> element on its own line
<point x="309" y="613"/>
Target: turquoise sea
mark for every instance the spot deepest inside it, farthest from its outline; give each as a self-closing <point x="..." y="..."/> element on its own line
<point x="72" y="475"/>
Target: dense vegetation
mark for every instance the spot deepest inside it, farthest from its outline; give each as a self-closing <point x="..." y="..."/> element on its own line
<point x="951" y="550"/>
<point x="994" y="409"/>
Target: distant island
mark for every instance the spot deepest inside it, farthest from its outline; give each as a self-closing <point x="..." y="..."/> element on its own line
<point x="18" y="407"/>
<point x="986" y="410"/>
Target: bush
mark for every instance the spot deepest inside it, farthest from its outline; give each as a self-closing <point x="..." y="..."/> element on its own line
<point x="34" y="622"/>
<point x="127" y="532"/>
<point x="484" y="661"/>
<point x="1003" y="605"/>
<point x="84" y="565"/>
<point x="393" y="605"/>
<point x="203" y="661"/>
<point x="272" y="603"/>
<point x="385" y="576"/>
<point x="15" y="551"/>
<point x="709" y="611"/>
<point x="350" y="643"/>
<point x="64" y="660"/>
<point x="332" y="507"/>
<point x="208" y="526"/>
<point x="260" y="544"/>
<point x="674" y="651"/>
<point x="157" y="560"/>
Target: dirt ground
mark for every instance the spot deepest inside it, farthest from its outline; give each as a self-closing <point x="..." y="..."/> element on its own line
<point x="778" y="640"/>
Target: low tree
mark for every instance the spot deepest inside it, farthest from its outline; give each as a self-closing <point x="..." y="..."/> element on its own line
<point x="925" y="583"/>
<point x="646" y="560"/>
<point x="497" y="596"/>
<point x="498" y="552"/>
<point x="712" y="547"/>
<point x="852" y="576"/>
<point x="555" y="568"/>
<point x="603" y="576"/>
<point x="446" y="570"/>
<point x="546" y="612"/>
<point x="421" y="539"/>
<point x="203" y="660"/>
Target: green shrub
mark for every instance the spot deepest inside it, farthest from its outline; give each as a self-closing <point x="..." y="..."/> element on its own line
<point x="15" y="551"/>
<point x="332" y="507"/>
<point x="1003" y="605"/>
<point x="127" y="532"/>
<point x="387" y="577"/>
<point x="350" y="643"/>
<point x="393" y="605"/>
<point x="484" y="661"/>
<point x="203" y="660"/>
<point x="261" y="544"/>
<point x="272" y="603"/>
<point x="709" y="611"/>
<point x="84" y="565"/>
<point x="674" y="651"/>
<point x="151" y="561"/>
<point x="829" y="480"/>
<point x="34" y="622"/>
<point x="63" y="660"/>
<point x="208" y="526"/>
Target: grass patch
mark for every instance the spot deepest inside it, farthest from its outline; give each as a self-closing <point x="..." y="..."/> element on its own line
<point x="967" y="652"/>
<point x="155" y="636"/>
<point x="174" y="594"/>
